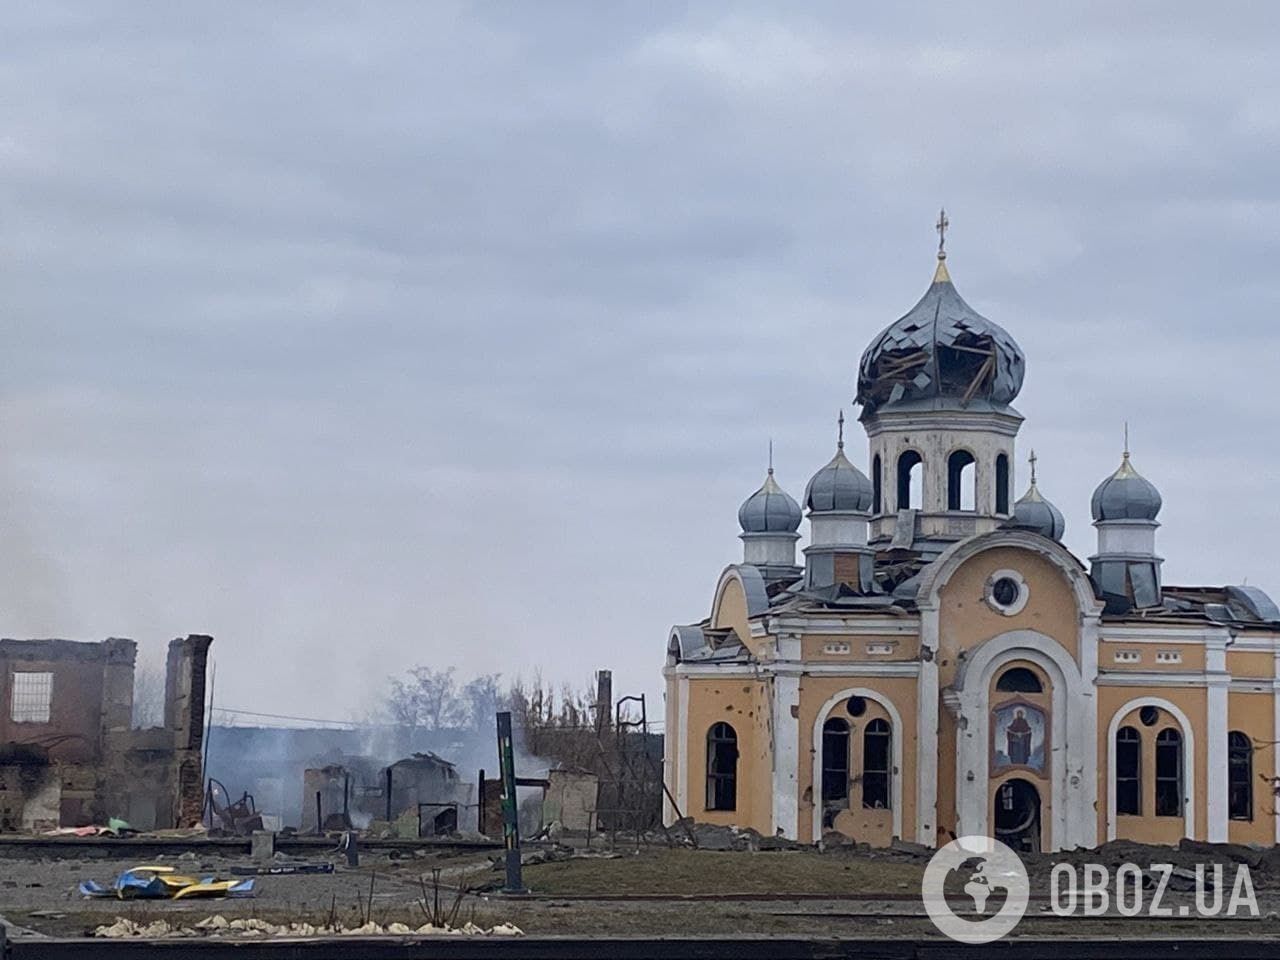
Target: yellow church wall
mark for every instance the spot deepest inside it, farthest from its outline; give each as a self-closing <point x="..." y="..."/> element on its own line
<point x="948" y="750"/>
<point x="742" y="703"/>
<point x="815" y="691"/>
<point x="1150" y="656"/>
<point x="850" y="648"/>
<point x="1149" y="828"/>
<point x="1253" y="715"/>
<point x="1248" y="664"/>
<point x="966" y="620"/>
<point x="730" y="610"/>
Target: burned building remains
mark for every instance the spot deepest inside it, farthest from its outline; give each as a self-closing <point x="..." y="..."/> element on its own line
<point x="69" y="754"/>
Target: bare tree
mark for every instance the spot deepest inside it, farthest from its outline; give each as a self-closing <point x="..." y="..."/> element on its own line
<point x="148" y="697"/>
<point x="426" y="700"/>
<point x="482" y="698"/>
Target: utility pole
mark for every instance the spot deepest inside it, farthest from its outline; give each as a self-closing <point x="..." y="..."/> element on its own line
<point x="510" y="812"/>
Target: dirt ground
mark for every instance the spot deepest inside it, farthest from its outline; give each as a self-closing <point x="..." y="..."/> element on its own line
<point x="657" y="891"/>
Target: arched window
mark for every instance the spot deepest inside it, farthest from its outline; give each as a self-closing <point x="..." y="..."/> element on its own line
<point x="910" y="481"/>
<point x="1019" y="680"/>
<point x="877" y="486"/>
<point x="962" y="490"/>
<point x="1128" y="784"/>
<point x="1002" y="484"/>
<point x="1169" y="773"/>
<point x="835" y="763"/>
<point x="722" y="767"/>
<point x="1239" y="776"/>
<point x="877" y="764"/>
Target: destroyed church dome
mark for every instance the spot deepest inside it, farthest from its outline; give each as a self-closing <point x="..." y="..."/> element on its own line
<point x="942" y="348"/>
<point x="1126" y="495"/>
<point x="769" y="510"/>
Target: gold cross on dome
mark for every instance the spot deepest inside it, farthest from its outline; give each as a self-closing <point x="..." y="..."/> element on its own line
<point x="941" y="227"/>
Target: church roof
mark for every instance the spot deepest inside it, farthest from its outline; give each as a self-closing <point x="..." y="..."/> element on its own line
<point x="839" y="486"/>
<point x="1126" y="495"/>
<point x="769" y="510"/>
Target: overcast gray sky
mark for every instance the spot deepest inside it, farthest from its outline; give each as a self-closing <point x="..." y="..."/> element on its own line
<point x="365" y="335"/>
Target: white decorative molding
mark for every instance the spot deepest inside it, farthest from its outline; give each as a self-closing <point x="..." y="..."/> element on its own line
<point x="710" y="670"/>
<point x="837" y="647"/>
<point x="682" y="732"/>
<point x="1156" y="633"/>
<point x="1020" y="601"/>
<point x="1128" y="656"/>
<point x="786" y="756"/>
<point x="1137" y="678"/>
<point x="856" y="625"/>
<point x="1072" y="781"/>
<point x="1188" y="762"/>
<point x="898" y="735"/>
<point x="1168" y="656"/>
<point x="1275" y="734"/>
<point x="880" y="649"/>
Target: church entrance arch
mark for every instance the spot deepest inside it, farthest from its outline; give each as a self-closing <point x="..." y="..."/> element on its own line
<point x="1017" y="815"/>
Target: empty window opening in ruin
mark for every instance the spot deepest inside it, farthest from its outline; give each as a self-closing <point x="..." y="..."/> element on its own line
<point x="910" y="481"/>
<point x="722" y="767"/>
<point x="835" y="767"/>
<point x="877" y="485"/>
<point x="877" y="765"/>
<point x="32" y="697"/>
<point x="962" y="485"/>
<point x="1002" y="484"/>
<point x="1128" y="784"/>
<point x="1169" y="773"/>
<point x="1239" y="776"/>
<point x="1019" y="680"/>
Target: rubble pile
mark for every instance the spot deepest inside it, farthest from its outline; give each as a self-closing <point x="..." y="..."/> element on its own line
<point x="252" y="928"/>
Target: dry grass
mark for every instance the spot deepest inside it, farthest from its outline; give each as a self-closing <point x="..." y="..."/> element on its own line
<point x="681" y="871"/>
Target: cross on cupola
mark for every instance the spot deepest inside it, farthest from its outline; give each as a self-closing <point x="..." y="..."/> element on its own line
<point x="941" y="227"/>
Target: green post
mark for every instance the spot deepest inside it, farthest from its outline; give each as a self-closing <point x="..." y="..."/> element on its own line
<point x="510" y="813"/>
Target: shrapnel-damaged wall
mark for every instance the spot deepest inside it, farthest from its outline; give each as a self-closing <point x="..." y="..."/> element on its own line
<point x="80" y="761"/>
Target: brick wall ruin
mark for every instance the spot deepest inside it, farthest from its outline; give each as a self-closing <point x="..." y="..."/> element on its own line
<point x="69" y="755"/>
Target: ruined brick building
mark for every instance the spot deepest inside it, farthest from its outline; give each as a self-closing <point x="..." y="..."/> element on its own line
<point x="69" y="755"/>
<point x="939" y="664"/>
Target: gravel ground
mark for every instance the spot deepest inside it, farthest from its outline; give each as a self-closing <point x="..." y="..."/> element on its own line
<point x="41" y="895"/>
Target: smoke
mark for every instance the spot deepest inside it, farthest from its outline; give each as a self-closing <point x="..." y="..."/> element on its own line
<point x="32" y="592"/>
<point x="269" y="762"/>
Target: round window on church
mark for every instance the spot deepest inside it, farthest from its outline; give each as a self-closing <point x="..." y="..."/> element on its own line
<point x="856" y="706"/>
<point x="1006" y="592"/>
<point x="1149" y="715"/>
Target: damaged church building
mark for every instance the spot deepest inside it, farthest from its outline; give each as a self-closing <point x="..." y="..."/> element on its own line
<point x="938" y="664"/>
<point x="69" y="753"/>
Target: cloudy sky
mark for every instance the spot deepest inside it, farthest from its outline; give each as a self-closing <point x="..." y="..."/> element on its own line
<point x="366" y="335"/>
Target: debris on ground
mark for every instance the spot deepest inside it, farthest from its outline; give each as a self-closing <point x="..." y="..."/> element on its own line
<point x="218" y="925"/>
<point x="155" y="882"/>
<point x="713" y="836"/>
<point x="115" y="828"/>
